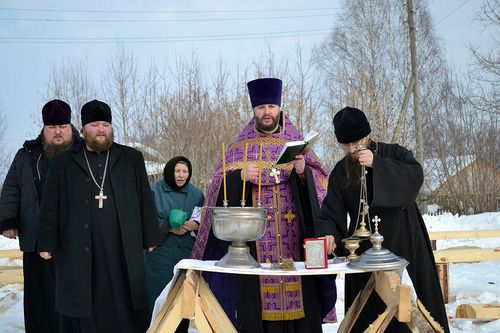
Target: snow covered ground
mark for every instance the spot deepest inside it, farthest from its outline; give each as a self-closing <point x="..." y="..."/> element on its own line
<point x="469" y="283"/>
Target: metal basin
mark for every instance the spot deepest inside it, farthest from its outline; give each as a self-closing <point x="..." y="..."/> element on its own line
<point x="238" y="225"/>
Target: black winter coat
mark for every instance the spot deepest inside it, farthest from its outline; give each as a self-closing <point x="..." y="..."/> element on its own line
<point x="21" y="193"/>
<point x="392" y="185"/>
<point x="65" y="224"/>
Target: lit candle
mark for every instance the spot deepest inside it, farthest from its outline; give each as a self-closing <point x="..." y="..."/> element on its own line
<point x="224" y="171"/>
<point x="244" y="174"/>
<point x="260" y="173"/>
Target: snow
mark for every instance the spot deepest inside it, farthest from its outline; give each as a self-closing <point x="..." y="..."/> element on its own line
<point x="469" y="282"/>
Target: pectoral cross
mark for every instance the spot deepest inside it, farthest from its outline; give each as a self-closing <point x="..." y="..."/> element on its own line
<point x="276" y="174"/>
<point x="101" y="197"/>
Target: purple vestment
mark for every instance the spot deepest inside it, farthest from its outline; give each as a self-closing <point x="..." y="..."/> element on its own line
<point x="281" y="297"/>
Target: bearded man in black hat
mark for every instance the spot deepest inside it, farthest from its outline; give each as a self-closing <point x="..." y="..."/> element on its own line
<point x="96" y="217"/>
<point x="19" y="203"/>
<point x="393" y="180"/>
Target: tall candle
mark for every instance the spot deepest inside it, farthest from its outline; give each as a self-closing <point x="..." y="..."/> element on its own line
<point x="260" y="173"/>
<point x="224" y="171"/>
<point x="244" y="173"/>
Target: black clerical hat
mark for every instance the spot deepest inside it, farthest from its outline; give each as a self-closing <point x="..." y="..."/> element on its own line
<point x="350" y="125"/>
<point x="56" y="112"/>
<point x="95" y="111"/>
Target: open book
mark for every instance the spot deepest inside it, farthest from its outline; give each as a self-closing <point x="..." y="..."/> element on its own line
<point x="294" y="148"/>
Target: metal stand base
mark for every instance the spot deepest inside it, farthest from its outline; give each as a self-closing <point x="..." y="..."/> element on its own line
<point x="378" y="260"/>
<point x="238" y="256"/>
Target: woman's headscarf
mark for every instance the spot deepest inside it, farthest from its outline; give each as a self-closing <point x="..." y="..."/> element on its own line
<point x="168" y="172"/>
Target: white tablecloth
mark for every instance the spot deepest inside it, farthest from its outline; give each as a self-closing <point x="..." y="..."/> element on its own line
<point x="209" y="266"/>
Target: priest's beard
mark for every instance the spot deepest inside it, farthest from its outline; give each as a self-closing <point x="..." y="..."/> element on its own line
<point x="98" y="146"/>
<point x="352" y="170"/>
<point x="268" y="128"/>
<point x="50" y="149"/>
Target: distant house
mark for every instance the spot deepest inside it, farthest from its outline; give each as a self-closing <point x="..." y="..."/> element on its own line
<point x="152" y="160"/>
<point x="461" y="184"/>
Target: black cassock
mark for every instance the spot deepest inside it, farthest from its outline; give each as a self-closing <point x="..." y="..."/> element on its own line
<point x="393" y="185"/>
<point x="98" y="252"/>
<point x="112" y="309"/>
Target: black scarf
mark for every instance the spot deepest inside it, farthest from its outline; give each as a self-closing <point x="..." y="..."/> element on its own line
<point x="168" y="172"/>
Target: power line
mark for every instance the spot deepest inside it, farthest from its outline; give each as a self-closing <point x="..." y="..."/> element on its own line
<point x="151" y="41"/>
<point x="450" y="13"/>
<point x="166" y="11"/>
<point x="255" y="34"/>
<point x="162" y="20"/>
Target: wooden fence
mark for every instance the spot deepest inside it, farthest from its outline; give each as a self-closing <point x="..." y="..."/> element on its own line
<point x="465" y="254"/>
<point x="11" y="274"/>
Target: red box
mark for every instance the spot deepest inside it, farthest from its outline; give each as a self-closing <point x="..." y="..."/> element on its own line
<point x="315" y="253"/>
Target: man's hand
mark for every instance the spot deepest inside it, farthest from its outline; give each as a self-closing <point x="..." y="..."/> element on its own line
<point x="299" y="164"/>
<point x="330" y="244"/>
<point x="252" y="172"/>
<point x="10" y="233"/>
<point x="46" y="255"/>
<point x="365" y="157"/>
<point x="151" y="248"/>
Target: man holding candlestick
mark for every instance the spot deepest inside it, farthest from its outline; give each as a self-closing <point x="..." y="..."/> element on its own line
<point x="293" y="193"/>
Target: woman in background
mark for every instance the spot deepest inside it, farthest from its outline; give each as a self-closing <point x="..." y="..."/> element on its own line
<point x="175" y="199"/>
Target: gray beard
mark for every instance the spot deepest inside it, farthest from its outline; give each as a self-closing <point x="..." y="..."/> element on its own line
<point x="51" y="150"/>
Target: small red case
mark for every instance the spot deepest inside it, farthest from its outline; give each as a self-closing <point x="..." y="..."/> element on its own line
<point x="315" y="253"/>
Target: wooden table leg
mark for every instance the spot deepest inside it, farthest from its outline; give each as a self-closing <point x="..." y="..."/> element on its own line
<point x="356" y="307"/>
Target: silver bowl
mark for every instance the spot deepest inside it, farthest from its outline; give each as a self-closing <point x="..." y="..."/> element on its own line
<point x="239" y="225"/>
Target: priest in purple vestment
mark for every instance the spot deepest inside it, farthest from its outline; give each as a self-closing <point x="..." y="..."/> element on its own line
<point x="293" y="192"/>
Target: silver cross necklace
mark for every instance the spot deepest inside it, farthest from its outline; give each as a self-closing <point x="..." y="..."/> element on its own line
<point x="101" y="197"/>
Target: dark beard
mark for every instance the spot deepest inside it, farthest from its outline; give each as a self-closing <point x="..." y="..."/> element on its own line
<point x="271" y="127"/>
<point x="98" y="146"/>
<point x="51" y="150"/>
<point x="352" y="171"/>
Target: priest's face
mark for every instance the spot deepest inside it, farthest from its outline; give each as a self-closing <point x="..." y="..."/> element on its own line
<point x="267" y="117"/>
<point x="57" y="137"/>
<point x="351" y="149"/>
<point x="98" y="135"/>
<point x="181" y="174"/>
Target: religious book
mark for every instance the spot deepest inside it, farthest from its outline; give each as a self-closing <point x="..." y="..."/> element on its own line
<point x="294" y="148"/>
<point x="315" y="253"/>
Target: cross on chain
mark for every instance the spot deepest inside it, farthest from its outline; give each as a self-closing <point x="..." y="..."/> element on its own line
<point x="101" y="197"/>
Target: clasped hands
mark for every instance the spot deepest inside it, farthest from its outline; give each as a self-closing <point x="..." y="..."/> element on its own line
<point x="252" y="169"/>
<point x="188" y="226"/>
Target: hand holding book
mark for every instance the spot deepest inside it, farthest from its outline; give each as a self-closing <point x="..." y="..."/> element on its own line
<point x="294" y="148"/>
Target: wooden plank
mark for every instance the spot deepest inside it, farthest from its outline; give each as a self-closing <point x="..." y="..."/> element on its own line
<point x="388" y="286"/>
<point x="12" y="254"/>
<point x="359" y="302"/>
<point x="188" y="294"/>
<point x="466" y="255"/>
<point x="174" y="293"/>
<point x="464" y="234"/>
<point x="213" y="311"/>
<point x="382" y="321"/>
<point x="478" y="311"/>
<point x="14" y="275"/>
<point x="421" y="312"/>
<point x="200" y="320"/>
<point x="444" y="278"/>
<point x="171" y="319"/>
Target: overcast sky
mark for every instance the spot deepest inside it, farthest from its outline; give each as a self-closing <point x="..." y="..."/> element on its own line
<point x="36" y="35"/>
